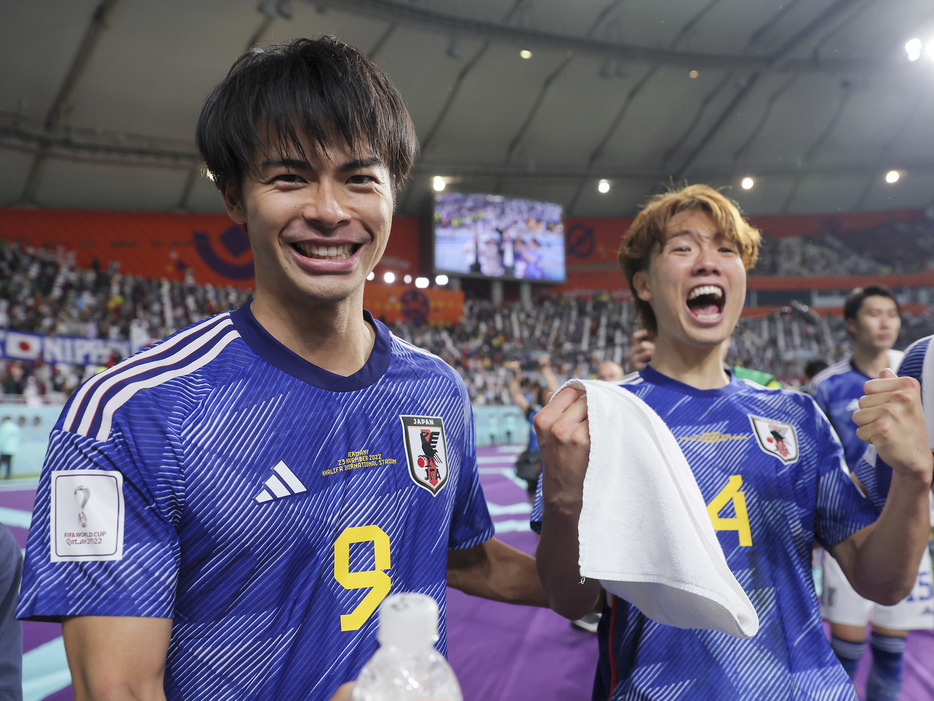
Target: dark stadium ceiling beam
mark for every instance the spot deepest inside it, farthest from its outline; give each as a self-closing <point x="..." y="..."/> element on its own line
<point x="404" y="13"/>
<point x="89" y="144"/>
<point x="612" y="172"/>
<point x="79" y="63"/>
<point x="131" y="150"/>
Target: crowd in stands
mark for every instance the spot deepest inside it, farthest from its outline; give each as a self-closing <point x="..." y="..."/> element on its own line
<point x="43" y="292"/>
<point x="889" y="248"/>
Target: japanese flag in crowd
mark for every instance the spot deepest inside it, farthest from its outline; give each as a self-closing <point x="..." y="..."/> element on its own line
<point x="26" y="346"/>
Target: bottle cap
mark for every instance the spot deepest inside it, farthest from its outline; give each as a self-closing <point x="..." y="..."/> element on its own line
<point x="408" y="620"/>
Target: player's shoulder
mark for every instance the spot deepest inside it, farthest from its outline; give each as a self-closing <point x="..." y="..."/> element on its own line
<point x="631" y="380"/>
<point x="919" y="346"/>
<point x="421" y="360"/>
<point x="832" y="373"/>
<point x="916" y="353"/>
<point x="169" y="363"/>
<point x="777" y="398"/>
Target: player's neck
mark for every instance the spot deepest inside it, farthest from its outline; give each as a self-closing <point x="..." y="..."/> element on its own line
<point x="335" y="338"/>
<point x="701" y="368"/>
<point x="871" y="361"/>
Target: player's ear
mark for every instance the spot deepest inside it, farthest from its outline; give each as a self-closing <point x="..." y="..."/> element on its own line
<point x="233" y="200"/>
<point x="640" y="285"/>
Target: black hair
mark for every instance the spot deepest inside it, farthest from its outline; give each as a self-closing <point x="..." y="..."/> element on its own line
<point x="855" y="299"/>
<point x="322" y="90"/>
<point x="814" y="366"/>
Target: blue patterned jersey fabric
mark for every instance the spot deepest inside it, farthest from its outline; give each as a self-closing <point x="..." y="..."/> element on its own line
<point x="265" y="505"/>
<point x="837" y="390"/>
<point x="771" y="471"/>
<point x="872" y="471"/>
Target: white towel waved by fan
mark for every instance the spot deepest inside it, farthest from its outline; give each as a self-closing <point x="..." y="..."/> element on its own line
<point x="644" y="529"/>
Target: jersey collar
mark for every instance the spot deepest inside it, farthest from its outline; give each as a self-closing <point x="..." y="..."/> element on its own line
<point x="650" y="374"/>
<point x="276" y="354"/>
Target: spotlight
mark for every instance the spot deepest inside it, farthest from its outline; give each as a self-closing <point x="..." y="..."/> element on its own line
<point x="407" y="279"/>
<point x="892" y="177"/>
<point x="438" y="184"/>
<point x="421" y="282"/>
<point x="913" y="48"/>
<point x="748" y="183"/>
<point x="526" y="54"/>
<point x="389" y="277"/>
<point x="441" y="280"/>
<point x="603" y="186"/>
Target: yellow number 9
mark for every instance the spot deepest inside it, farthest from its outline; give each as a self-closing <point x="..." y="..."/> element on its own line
<point x="376" y="580"/>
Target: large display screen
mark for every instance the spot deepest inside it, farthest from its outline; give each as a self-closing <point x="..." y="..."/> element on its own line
<point x="490" y="236"/>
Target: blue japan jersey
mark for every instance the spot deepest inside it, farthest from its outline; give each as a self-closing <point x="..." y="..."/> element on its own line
<point x="265" y="505"/>
<point x="837" y="390"/>
<point x="771" y="471"/>
<point x="872" y="471"/>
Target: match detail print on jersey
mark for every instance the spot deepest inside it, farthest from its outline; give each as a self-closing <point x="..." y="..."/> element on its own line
<point x="426" y="451"/>
<point x="87" y="515"/>
<point x="776" y="438"/>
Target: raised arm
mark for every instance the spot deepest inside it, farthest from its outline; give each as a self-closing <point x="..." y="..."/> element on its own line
<point x="641" y="350"/>
<point x="113" y="658"/>
<point x="881" y="561"/>
<point x="548" y="373"/>
<point x="564" y="439"/>
<point x="515" y="390"/>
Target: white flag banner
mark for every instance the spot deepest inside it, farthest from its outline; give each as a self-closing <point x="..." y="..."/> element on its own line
<point x="20" y="345"/>
<point x="23" y="346"/>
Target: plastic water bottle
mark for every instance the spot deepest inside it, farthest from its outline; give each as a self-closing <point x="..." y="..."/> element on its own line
<point x="407" y="665"/>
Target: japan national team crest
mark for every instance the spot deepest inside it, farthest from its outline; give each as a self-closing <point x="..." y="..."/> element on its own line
<point x="426" y="451"/>
<point x="776" y="438"/>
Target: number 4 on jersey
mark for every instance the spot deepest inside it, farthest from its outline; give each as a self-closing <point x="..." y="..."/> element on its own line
<point x="739" y="523"/>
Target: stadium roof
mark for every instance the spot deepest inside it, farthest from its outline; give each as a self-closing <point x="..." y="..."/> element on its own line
<point x="814" y="99"/>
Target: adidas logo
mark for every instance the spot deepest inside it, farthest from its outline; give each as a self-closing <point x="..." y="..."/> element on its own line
<point x="281" y="484"/>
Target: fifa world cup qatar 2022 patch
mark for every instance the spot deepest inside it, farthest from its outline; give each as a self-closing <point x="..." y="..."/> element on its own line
<point x="426" y="451"/>
<point x="87" y="515"/>
<point x="776" y="438"/>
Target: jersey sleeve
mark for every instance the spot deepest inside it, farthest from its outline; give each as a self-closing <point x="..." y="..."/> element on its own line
<point x="100" y="543"/>
<point x="471" y="523"/>
<point x="875" y="475"/>
<point x="538" y="507"/>
<point x="819" y="392"/>
<point x="841" y="507"/>
<point x="872" y="471"/>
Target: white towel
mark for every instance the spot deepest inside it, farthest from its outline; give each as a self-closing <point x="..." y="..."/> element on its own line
<point x="644" y="529"/>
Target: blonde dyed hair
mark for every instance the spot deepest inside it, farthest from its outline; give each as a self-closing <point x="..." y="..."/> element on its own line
<point x="647" y="234"/>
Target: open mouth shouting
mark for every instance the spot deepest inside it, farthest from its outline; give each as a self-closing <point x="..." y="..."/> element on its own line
<point x="706" y="302"/>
